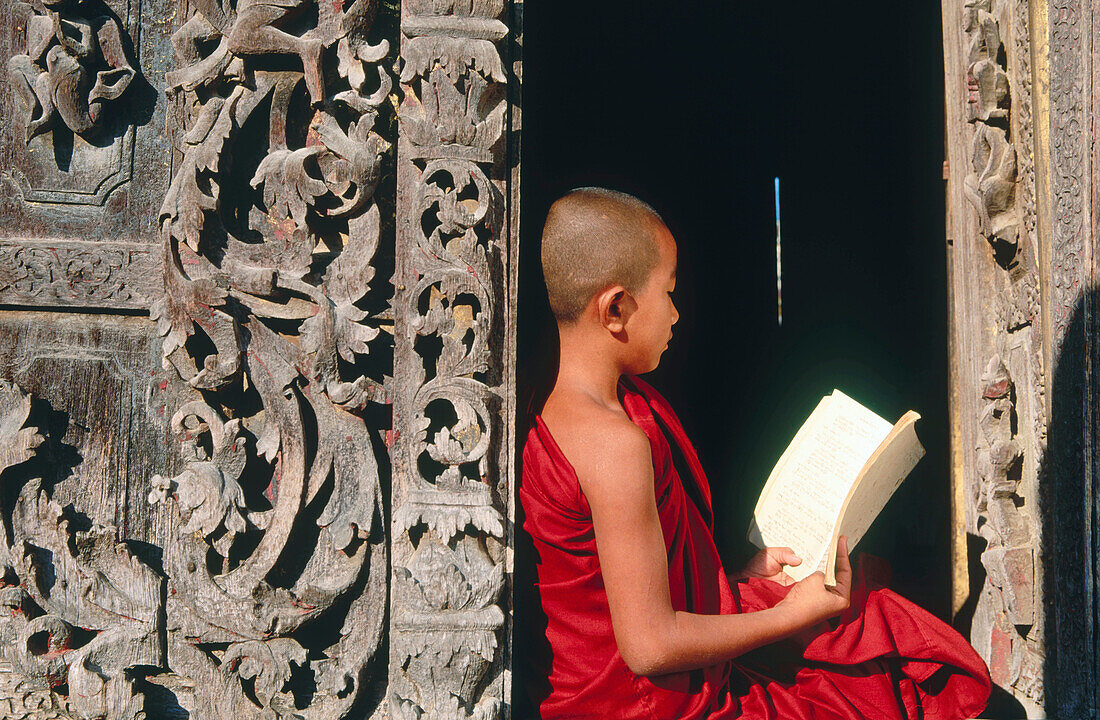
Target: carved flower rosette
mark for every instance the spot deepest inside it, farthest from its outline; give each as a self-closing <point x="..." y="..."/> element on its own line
<point x="449" y="530"/>
<point x="313" y="278"/>
<point x="270" y="229"/>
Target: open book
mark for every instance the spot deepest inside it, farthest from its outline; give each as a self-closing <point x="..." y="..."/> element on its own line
<point x="833" y="479"/>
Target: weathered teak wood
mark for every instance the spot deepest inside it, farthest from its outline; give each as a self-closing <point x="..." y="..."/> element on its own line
<point x="453" y="305"/>
<point x="257" y="312"/>
<point x="1019" y="106"/>
<point x="82" y="120"/>
<point x="1072" y="347"/>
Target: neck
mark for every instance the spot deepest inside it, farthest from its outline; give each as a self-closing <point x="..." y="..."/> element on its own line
<point x="584" y="366"/>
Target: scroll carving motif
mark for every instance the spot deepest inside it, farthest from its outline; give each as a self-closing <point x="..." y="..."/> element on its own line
<point x="74" y="68"/>
<point x="1068" y="149"/>
<point x="21" y="699"/>
<point x="1000" y="184"/>
<point x="1009" y="556"/>
<point x="1010" y="422"/>
<point x="1072" y="310"/>
<point x="77" y="273"/>
<point x="266" y="309"/>
<point x="1009" y="609"/>
<point x="449" y="529"/>
<point x="295" y="305"/>
<point x="992" y="182"/>
<point x="83" y="613"/>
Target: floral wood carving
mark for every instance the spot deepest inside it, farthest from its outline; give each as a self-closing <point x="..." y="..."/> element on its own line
<point x="78" y="273"/>
<point x="82" y="612"/>
<point x="280" y="247"/>
<point x="75" y="66"/>
<point x="1072" y="312"/>
<point x="1069" y="78"/>
<point x="269" y="230"/>
<point x="991" y="183"/>
<point x="21" y="699"/>
<point x="1009" y="606"/>
<point x="448" y="525"/>
<point x="1006" y="402"/>
<point x="1006" y="527"/>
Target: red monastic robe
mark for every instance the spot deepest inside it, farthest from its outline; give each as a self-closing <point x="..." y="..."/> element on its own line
<point x="883" y="658"/>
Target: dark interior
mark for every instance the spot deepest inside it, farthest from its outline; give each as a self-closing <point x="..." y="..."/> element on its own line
<point x="696" y="111"/>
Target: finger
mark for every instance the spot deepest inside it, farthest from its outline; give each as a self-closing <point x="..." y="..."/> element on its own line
<point x="843" y="567"/>
<point x="842" y="546"/>
<point x="785" y="556"/>
<point x="758" y="563"/>
<point x="843" y="563"/>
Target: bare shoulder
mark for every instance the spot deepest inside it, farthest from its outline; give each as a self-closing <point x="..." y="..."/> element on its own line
<point x="608" y="451"/>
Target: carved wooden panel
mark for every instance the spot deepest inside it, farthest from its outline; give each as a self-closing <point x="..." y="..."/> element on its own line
<point x="300" y="364"/>
<point x="1001" y="371"/>
<point x="453" y="311"/>
<point x="83" y="150"/>
<point x="1020" y="239"/>
<point x="1074" y="340"/>
<point x="83" y="607"/>
<point x="94" y="274"/>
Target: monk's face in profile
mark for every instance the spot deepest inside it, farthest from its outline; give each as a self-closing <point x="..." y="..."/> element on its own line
<point x="649" y="327"/>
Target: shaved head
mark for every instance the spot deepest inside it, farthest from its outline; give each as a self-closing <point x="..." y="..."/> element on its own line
<point x="595" y="238"/>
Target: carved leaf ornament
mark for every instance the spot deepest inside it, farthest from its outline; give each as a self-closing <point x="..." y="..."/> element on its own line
<point x="288" y="325"/>
<point x="991" y="184"/>
<point x="449" y="570"/>
<point x="81" y="608"/>
<point x="1006" y="402"/>
<point x="75" y="65"/>
<point x="263" y="312"/>
<point x="271" y="285"/>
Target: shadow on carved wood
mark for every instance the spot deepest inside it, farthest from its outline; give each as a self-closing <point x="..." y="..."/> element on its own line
<point x="450" y="406"/>
<point x="83" y="612"/>
<point x="1011" y="412"/>
<point x="271" y="598"/>
<point x="304" y="286"/>
<point x="265" y="311"/>
<point x="78" y="97"/>
<point x="74" y="67"/>
<point x="81" y="121"/>
<point x="1000" y="383"/>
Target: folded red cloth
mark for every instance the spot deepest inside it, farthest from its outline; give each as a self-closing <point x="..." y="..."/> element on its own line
<point x="883" y="658"/>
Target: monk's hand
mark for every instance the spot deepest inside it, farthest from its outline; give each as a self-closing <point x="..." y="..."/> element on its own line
<point x="843" y="571"/>
<point x="769" y="563"/>
<point x="811" y="601"/>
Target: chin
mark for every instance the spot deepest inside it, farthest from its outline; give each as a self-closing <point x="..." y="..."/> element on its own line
<point x="643" y="365"/>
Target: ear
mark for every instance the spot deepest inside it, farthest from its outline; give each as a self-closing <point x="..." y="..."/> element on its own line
<point x="615" y="305"/>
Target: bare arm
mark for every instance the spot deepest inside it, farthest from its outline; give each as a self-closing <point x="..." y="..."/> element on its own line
<point x="616" y="475"/>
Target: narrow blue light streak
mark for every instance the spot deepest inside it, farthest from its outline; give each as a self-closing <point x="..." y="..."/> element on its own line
<point x="778" y="262"/>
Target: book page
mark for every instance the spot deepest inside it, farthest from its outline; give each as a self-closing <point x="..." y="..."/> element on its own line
<point x="884" y="472"/>
<point x="804" y="495"/>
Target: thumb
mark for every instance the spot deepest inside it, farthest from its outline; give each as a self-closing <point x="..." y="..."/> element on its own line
<point x="785" y="556"/>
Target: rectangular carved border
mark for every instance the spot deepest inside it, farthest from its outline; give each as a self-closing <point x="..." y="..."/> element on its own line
<point x="117" y="157"/>
<point x="71" y="273"/>
<point x="1072" y="510"/>
<point x="999" y="418"/>
<point x="453" y="439"/>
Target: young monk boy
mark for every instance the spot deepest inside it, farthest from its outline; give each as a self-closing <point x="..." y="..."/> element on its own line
<point x="641" y="619"/>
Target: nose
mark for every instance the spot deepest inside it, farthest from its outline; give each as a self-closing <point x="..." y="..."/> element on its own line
<point x="675" y="313"/>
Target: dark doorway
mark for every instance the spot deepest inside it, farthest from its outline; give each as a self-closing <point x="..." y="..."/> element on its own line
<point x="695" y="109"/>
